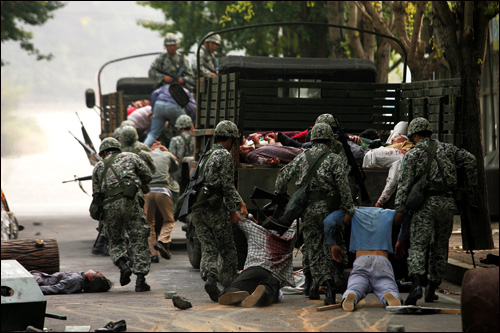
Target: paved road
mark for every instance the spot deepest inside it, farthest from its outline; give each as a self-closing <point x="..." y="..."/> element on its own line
<point x="150" y="311"/>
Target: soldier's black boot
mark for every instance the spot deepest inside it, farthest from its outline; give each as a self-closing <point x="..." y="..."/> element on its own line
<point x="140" y="283"/>
<point x="211" y="287"/>
<point x="125" y="271"/>
<point x="314" y="291"/>
<point x="100" y="246"/>
<point x="308" y="283"/>
<point x="416" y="290"/>
<point x="430" y="292"/>
<point x="329" y="292"/>
<point x="338" y="276"/>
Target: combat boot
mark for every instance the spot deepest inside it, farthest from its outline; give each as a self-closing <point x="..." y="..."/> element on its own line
<point x="211" y="287"/>
<point x="125" y="271"/>
<point x="338" y="275"/>
<point x="100" y="246"/>
<point x="430" y="292"/>
<point x="314" y="291"/>
<point x="416" y="290"/>
<point x="329" y="292"/>
<point x="140" y="283"/>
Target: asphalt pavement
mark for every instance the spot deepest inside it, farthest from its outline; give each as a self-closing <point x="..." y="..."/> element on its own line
<point x="152" y="312"/>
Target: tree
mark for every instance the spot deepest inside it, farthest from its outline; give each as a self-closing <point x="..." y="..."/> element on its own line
<point x="26" y="12"/>
<point x="461" y="33"/>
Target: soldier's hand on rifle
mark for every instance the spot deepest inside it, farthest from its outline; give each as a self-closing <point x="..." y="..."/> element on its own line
<point x="168" y="79"/>
<point x="399" y="250"/>
<point x="337" y="252"/>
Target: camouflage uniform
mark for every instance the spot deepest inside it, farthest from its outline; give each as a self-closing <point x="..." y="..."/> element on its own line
<point x="182" y="146"/>
<point x="212" y="222"/>
<point x="128" y="138"/>
<point x="208" y="58"/>
<point x="432" y="224"/>
<point x="171" y="65"/>
<point x="331" y="175"/>
<point x="125" y="216"/>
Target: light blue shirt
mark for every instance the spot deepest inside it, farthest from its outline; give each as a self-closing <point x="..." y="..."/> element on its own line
<point x="371" y="228"/>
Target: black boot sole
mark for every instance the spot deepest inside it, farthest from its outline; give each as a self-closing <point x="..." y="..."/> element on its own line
<point x="125" y="277"/>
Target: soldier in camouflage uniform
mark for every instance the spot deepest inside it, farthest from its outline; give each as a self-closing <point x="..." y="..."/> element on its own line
<point x="432" y="224"/>
<point x="208" y="62"/>
<point x="171" y="62"/>
<point x="123" y="214"/>
<point x="182" y="146"/>
<point x="215" y="209"/>
<point x="331" y="176"/>
<point x="128" y="139"/>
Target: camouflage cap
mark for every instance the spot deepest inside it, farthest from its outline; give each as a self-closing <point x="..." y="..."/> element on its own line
<point x="128" y="135"/>
<point x="109" y="143"/>
<point x="326" y="118"/>
<point x="321" y="131"/>
<point x="419" y="125"/>
<point x="184" y="121"/>
<point x="214" y="39"/>
<point x="171" y="39"/>
<point x="227" y="128"/>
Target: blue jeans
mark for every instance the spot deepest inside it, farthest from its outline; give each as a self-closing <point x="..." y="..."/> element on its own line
<point x="163" y="111"/>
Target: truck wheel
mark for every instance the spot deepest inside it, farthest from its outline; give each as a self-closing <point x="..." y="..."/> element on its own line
<point x="194" y="251"/>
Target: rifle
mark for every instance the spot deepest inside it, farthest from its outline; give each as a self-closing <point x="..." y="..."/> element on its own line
<point x="209" y="68"/>
<point x="87" y="140"/>
<point x="277" y="200"/>
<point x="176" y="77"/>
<point x="356" y="170"/>
<point x="194" y="185"/>
<point x="464" y="204"/>
<point x="88" y="149"/>
<point x="77" y="179"/>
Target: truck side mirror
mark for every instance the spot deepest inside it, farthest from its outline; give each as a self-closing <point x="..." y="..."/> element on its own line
<point x="90" y="98"/>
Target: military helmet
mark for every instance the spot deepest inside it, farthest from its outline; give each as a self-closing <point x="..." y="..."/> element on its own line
<point x="128" y="123"/>
<point x="128" y="135"/>
<point x="184" y="121"/>
<point x="214" y="39"/>
<point x="227" y="129"/>
<point x="419" y="125"/>
<point x="321" y="131"/>
<point x="326" y="118"/>
<point x="109" y="143"/>
<point x="171" y="39"/>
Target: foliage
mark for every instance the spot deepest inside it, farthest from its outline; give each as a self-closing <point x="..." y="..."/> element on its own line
<point x="30" y="13"/>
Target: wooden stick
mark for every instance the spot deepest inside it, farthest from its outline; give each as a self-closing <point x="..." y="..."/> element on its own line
<point x="328" y="307"/>
<point x="450" y="311"/>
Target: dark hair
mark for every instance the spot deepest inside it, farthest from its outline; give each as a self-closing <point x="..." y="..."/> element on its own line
<point x="187" y="128"/>
<point x="425" y="134"/>
<point x="280" y="225"/>
<point x="219" y="138"/>
<point x="97" y="285"/>
<point x="370" y="133"/>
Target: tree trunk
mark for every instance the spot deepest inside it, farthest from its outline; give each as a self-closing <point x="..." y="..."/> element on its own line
<point x="33" y="254"/>
<point x="382" y="59"/>
<point x="335" y="11"/>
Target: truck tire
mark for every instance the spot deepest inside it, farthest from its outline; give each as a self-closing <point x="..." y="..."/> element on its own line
<point x="194" y="252"/>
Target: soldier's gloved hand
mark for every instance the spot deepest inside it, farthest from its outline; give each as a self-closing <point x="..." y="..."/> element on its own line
<point x="337" y="252"/>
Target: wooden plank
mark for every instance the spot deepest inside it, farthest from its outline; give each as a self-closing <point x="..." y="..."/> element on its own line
<point x="319" y="85"/>
<point x="358" y="94"/>
<point x="320" y="101"/>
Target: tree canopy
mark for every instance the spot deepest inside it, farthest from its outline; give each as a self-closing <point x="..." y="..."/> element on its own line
<point x="18" y="13"/>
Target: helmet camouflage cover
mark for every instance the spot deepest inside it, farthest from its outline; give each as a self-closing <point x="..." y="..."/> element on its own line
<point x="109" y="143"/>
<point x="171" y="39"/>
<point x="227" y="129"/>
<point x="326" y="118"/>
<point x="418" y="125"/>
<point x="321" y="131"/>
<point x="214" y="39"/>
<point x="184" y="121"/>
<point x="128" y="135"/>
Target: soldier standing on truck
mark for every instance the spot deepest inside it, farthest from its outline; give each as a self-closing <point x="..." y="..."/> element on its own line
<point x="208" y="62"/>
<point x="173" y="63"/>
<point x="432" y="223"/>
<point x="330" y="177"/>
<point x="119" y="179"/>
<point x="216" y="208"/>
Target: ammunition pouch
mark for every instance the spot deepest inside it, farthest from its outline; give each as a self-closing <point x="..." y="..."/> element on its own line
<point x="208" y="198"/>
<point x="416" y="197"/>
<point x="129" y="189"/>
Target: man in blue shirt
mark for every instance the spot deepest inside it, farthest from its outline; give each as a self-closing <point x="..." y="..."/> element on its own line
<point x="371" y="240"/>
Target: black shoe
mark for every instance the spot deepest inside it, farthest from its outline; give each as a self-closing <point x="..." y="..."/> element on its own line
<point x="430" y="292"/>
<point x="329" y="292"/>
<point x="140" y="284"/>
<point x="416" y="291"/>
<point x="155" y="259"/>
<point x="211" y="288"/>
<point x="125" y="272"/>
<point x="100" y="246"/>
<point x="119" y="326"/>
<point x="307" y="284"/>
<point x="314" y="291"/>
<point x="164" y="249"/>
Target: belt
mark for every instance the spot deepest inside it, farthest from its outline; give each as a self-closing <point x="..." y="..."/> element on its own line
<point x="432" y="193"/>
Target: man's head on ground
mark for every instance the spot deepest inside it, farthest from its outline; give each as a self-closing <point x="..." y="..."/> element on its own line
<point x="158" y="145"/>
<point x="399" y="139"/>
<point x="96" y="282"/>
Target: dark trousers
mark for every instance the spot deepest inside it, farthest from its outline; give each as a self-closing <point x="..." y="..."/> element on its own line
<point x="250" y="278"/>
